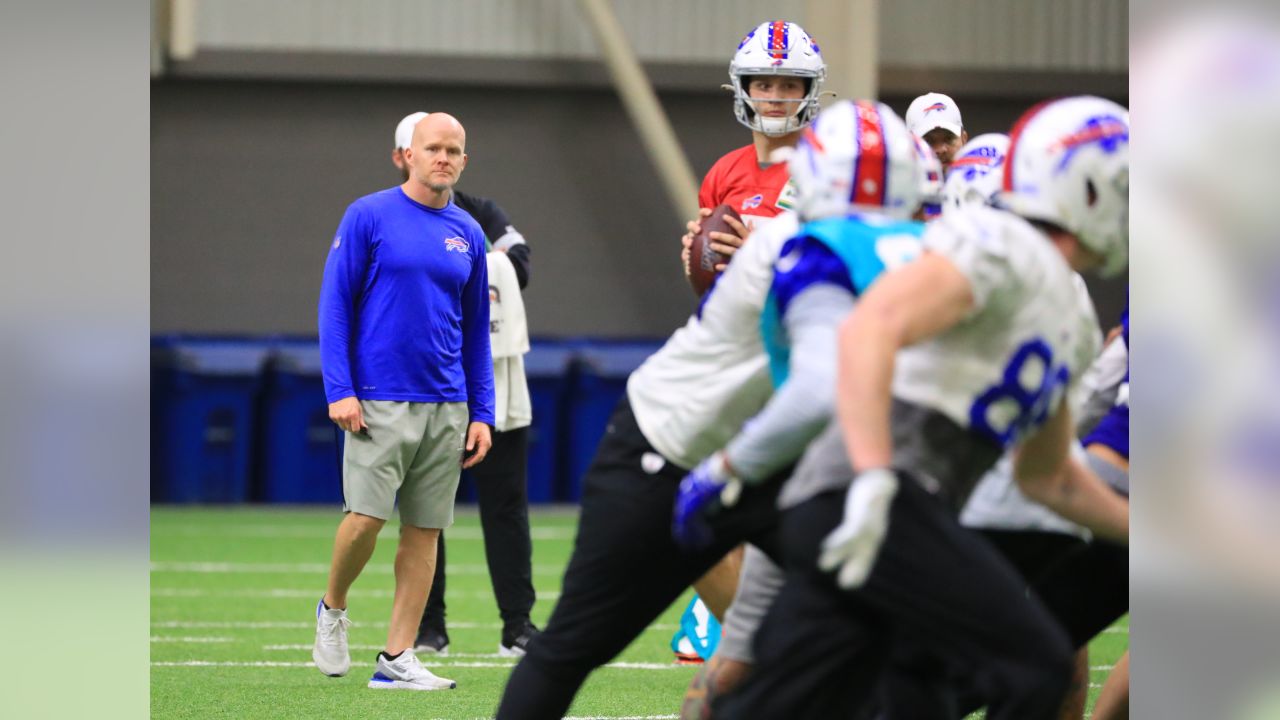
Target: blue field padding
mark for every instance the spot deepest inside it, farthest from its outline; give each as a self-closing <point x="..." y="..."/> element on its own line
<point x="599" y="381"/>
<point x="203" y="418"/>
<point x="298" y="457"/>
<point x="548" y="367"/>
<point x="246" y="420"/>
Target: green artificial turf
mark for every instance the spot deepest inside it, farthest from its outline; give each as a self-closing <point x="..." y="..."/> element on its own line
<point x="233" y="595"/>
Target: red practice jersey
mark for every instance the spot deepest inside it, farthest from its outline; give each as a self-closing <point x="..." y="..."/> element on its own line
<point x="756" y="193"/>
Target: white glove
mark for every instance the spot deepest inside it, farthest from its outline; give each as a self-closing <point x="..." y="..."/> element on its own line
<point x="724" y="473"/>
<point x="854" y="544"/>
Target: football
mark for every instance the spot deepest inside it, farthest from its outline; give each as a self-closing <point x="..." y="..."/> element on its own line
<point x="702" y="259"/>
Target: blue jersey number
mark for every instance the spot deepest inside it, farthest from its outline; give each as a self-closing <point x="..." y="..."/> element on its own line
<point x="1021" y="401"/>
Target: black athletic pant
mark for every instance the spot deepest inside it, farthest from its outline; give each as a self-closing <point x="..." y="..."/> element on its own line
<point x="502" y="489"/>
<point x="625" y="569"/>
<point x="1083" y="585"/>
<point x="937" y="594"/>
<point x="1033" y="553"/>
<point x="1088" y="590"/>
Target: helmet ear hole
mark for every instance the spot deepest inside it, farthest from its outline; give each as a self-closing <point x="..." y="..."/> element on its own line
<point x="1091" y="192"/>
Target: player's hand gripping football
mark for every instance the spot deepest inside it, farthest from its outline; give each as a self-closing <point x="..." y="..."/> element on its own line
<point x="852" y="547"/>
<point x="706" y="489"/>
<point x="723" y="243"/>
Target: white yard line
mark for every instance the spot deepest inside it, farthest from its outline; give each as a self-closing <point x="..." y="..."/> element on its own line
<point x="595" y="717"/>
<point x="243" y="663"/>
<point x="198" y="567"/>
<point x="207" y="639"/>
<point x="293" y="593"/>
<point x="625" y="717"/>
<point x="320" y="533"/>
<point x="425" y="656"/>
<point x="309" y="624"/>
<point x="430" y="663"/>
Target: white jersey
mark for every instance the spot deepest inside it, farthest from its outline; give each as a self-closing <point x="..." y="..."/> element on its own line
<point x="998" y="504"/>
<point x="1002" y="369"/>
<point x="995" y="375"/>
<point x="694" y="394"/>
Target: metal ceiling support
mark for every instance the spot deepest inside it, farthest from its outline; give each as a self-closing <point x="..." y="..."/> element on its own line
<point x="641" y="103"/>
<point x="848" y="32"/>
<point x="182" y="29"/>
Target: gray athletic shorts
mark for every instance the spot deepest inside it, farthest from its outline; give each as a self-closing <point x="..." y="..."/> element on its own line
<point x="412" y="450"/>
<point x="759" y="584"/>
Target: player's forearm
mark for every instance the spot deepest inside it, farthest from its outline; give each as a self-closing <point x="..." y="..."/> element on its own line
<point x="867" y="345"/>
<point x="1077" y="494"/>
<point x="796" y="413"/>
<point x="804" y="404"/>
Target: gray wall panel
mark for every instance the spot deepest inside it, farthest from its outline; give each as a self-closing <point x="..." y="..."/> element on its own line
<point x="1006" y="34"/>
<point x="663" y="30"/>
<point x="1062" y="35"/>
<point x="249" y="180"/>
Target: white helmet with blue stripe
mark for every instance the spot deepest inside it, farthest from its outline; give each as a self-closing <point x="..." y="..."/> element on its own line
<point x="1068" y="165"/>
<point x="777" y="48"/>
<point x="976" y="172"/>
<point x="857" y="155"/>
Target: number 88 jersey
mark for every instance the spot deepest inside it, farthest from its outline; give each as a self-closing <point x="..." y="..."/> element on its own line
<point x="1003" y="369"/>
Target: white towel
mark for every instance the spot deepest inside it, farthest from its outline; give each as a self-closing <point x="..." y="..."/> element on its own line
<point x="508" y="331"/>
<point x="508" y="341"/>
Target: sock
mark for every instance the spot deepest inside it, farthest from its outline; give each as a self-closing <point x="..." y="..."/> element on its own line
<point x="384" y="654"/>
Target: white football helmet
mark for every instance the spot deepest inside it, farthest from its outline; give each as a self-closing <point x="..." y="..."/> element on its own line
<point x="777" y="48"/>
<point x="856" y="156"/>
<point x="1068" y="164"/>
<point x="930" y="169"/>
<point x="976" y="172"/>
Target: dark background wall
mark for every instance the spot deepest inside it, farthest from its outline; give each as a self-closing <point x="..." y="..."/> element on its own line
<point x="249" y="180"/>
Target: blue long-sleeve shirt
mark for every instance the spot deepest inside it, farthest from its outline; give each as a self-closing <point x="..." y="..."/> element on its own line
<point x="404" y="306"/>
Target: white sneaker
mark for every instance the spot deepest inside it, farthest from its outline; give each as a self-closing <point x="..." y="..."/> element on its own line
<point x="510" y="652"/>
<point x="515" y="639"/>
<point x="330" y="651"/>
<point x="406" y="673"/>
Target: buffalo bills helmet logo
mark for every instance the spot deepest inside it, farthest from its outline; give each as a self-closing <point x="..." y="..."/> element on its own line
<point x="1108" y="132"/>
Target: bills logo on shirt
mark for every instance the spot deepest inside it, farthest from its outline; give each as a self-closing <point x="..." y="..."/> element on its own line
<point x="337" y="242"/>
<point x="456" y="244"/>
<point x="753" y="201"/>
